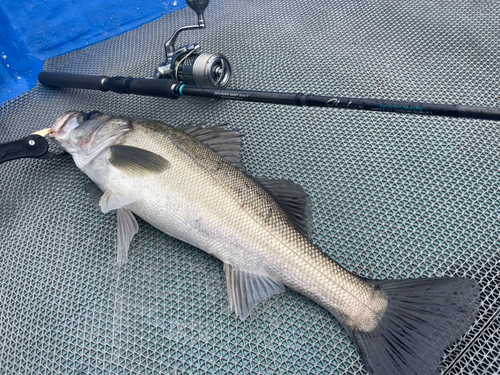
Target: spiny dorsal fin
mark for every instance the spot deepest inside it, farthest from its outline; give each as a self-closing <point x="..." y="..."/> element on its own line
<point x="226" y="143"/>
<point x="245" y="289"/>
<point x="136" y="161"/>
<point x="293" y="199"/>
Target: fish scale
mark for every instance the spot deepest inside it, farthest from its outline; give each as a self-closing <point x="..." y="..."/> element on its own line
<point x="267" y="244"/>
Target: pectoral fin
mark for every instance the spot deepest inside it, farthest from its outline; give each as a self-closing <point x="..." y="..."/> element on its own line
<point x="245" y="289"/>
<point x="136" y="161"/>
<point x="127" y="225"/>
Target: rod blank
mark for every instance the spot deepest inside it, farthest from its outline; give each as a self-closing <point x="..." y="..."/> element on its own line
<point x="173" y="89"/>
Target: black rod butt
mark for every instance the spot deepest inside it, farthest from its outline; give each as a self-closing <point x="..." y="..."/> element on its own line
<point x="76" y="81"/>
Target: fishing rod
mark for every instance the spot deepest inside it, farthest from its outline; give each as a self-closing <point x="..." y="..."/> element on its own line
<point x="173" y="89"/>
<point x="189" y="72"/>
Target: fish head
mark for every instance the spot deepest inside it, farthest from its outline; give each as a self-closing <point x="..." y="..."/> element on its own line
<point x="85" y="135"/>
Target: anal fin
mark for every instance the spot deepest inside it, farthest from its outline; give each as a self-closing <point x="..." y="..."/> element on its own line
<point x="245" y="289"/>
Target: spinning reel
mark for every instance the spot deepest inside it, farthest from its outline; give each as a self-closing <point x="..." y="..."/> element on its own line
<point x="188" y="65"/>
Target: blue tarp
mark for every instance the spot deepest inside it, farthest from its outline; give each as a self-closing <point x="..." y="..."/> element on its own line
<point x="31" y="32"/>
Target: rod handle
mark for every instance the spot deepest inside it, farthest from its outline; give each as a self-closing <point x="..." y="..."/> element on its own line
<point x="76" y="81"/>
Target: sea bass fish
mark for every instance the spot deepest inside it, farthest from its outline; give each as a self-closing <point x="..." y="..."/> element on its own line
<point x="190" y="184"/>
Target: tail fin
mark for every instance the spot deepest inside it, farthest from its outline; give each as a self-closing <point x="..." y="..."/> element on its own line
<point x="423" y="317"/>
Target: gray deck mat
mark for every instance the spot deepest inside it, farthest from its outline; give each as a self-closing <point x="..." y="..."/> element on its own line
<point x="393" y="195"/>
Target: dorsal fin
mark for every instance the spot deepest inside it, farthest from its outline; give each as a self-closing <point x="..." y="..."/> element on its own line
<point x="226" y="143"/>
<point x="293" y="199"/>
<point x="290" y="196"/>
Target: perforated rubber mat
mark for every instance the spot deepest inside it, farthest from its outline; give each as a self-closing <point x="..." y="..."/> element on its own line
<point x="393" y="196"/>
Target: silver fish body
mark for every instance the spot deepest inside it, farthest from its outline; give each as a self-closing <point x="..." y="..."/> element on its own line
<point x="193" y="193"/>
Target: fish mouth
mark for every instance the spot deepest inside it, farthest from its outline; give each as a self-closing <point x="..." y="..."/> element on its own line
<point x="64" y="124"/>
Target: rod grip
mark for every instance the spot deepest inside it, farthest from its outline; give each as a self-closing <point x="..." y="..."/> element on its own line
<point x="144" y="86"/>
<point x="76" y="81"/>
<point x="121" y="85"/>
